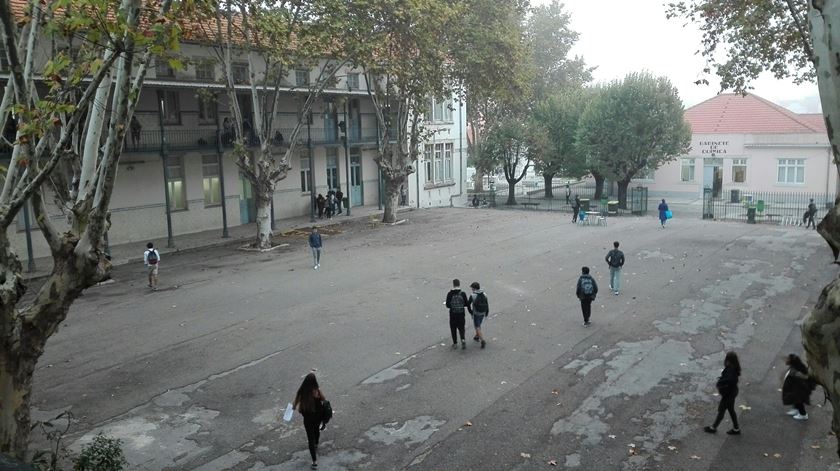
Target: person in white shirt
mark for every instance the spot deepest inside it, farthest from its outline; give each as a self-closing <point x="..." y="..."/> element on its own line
<point x="151" y="258"/>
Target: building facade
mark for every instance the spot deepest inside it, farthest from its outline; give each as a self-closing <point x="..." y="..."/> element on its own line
<point x="748" y="144"/>
<point x="180" y="151"/>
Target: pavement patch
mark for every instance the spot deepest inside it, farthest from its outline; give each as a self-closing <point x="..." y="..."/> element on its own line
<point x="412" y="432"/>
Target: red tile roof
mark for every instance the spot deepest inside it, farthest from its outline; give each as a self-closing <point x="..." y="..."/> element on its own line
<point x="736" y="114"/>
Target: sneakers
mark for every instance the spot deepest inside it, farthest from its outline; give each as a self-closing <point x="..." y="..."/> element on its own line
<point x="463" y="345"/>
<point x="454" y="345"/>
<point x="799" y="416"/>
<point x="709" y="429"/>
<point x="587" y="324"/>
<point x="615" y="293"/>
<point x="476" y="338"/>
<point x="734" y="431"/>
<point x="483" y="344"/>
<point x="792" y="412"/>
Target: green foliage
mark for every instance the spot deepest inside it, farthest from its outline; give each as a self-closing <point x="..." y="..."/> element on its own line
<point x="550" y="39"/>
<point x="633" y="124"/>
<point x="742" y="39"/>
<point x="559" y="116"/>
<point x="101" y="454"/>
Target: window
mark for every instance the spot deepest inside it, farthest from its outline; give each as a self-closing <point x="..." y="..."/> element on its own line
<point x="791" y="171"/>
<point x="162" y="69"/>
<point x="353" y="81"/>
<point x="171" y="107"/>
<point x="438" y="162"/>
<point x="240" y="73"/>
<point x="439" y="111"/>
<point x="206" y="109"/>
<point x="301" y="77"/>
<point x="305" y="174"/>
<point x="205" y="70"/>
<point x="332" y="168"/>
<point x="212" y="186"/>
<point x="175" y="184"/>
<point x="739" y="170"/>
<point x="687" y="170"/>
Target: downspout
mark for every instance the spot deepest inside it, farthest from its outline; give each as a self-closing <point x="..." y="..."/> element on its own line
<point x="221" y="156"/>
<point x="460" y="154"/>
<point x="170" y="242"/>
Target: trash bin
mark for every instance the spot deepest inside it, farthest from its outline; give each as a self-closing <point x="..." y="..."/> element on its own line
<point x="612" y="207"/>
<point x="735" y="196"/>
<point x="751" y="215"/>
<point x="584" y="204"/>
<point x="345" y="202"/>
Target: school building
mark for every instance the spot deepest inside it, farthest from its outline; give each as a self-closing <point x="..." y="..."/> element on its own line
<point x="181" y="153"/>
<point x="747" y="144"/>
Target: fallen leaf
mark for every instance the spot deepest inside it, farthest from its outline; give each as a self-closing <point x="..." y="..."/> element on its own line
<point x="672" y="448"/>
<point x="766" y="455"/>
<point x="468" y="424"/>
<point x="695" y="457"/>
<point x="552" y="463"/>
<point x="525" y="455"/>
<point x="611" y="436"/>
<point x="555" y="392"/>
<point x="631" y="445"/>
<point x="777" y="455"/>
<point x="816" y="447"/>
<point x="743" y="407"/>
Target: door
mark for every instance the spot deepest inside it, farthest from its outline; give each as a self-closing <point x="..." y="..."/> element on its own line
<point x="330" y="122"/>
<point x="247" y="205"/>
<point x="247" y="118"/>
<point x="357" y="198"/>
<point x="708" y="176"/>
<point x="717" y="184"/>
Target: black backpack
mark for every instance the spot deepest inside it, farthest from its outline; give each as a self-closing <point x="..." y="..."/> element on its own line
<point x="587" y="286"/>
<point x="326" y="411"/>
<point x="480" y="303"/>
<point x="153" y="257"/>
<point x="457" y="304"/>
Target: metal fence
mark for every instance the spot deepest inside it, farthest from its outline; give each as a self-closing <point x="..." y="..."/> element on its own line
<point x="774" y="207"/>
<point x="637" y="200"/>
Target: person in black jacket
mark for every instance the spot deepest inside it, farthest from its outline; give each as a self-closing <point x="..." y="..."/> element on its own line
<point x="586" y="291"/>
<point x="309" y="402"/>
<point x="808" y="218"/>
<point x="615" y="259"/>
<point x="797" y="387"/>
<point x="727" y="386"/>
<point x="576" y="209"/>
<point x="456" y="302"/>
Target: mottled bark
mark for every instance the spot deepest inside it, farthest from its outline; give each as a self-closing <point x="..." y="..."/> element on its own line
<point x="511" y="199"/>
<point x="599" y="185"/>
<point x="391" y="198"/>
<point x="478" y="181"/>
<point x="622" y="193"/>
<point x="821" y="328"/>
<point x="549" y="180"/>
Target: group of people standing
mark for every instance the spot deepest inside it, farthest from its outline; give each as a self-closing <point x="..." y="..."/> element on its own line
<point x="331" y="204"/>
<point x="796" y="390"/>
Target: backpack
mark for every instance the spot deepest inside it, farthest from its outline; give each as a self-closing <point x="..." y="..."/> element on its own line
<point x="480" y="303"/>
<point x="153" y="257"/>
<point x="587" y="286"/>
<point x="456" y="304"/>
<point x="326" y="411"/>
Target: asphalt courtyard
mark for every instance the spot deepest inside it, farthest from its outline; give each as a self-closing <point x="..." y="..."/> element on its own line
<point x="196" y="375"/>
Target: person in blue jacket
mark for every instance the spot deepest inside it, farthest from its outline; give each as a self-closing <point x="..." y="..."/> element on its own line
<point x="315" y="245"/>
<point x="663" y="208"/>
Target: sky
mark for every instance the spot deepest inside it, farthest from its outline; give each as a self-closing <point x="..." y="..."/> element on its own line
<point x="622" y="36"/>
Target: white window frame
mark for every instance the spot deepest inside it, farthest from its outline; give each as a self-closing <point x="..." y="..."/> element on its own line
<point x="206" y="109"/>
<point x="794" y="168"/>
<point x="428" y="159"/>
<point x="163" y="69"/>
<point x="334" y="177"/>
<point x="176" y="184"/>
<point x="447" y="158"/>
<point x="439" y="111"/>
<point x="690" y="166"/>
<point x="305" y="174"/>
<point x="301" y="77"/>
<point x="353" y="81"/>
<point x="240" y="72"/>
<point x="171" y="107"/>
<point x="737" y="164"/>
<point x="211" y="180"/>
<point x="205" y="70"/>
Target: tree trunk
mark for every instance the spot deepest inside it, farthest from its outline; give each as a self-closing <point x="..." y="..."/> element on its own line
<point x="391" y="199"/>
<point x="599" y="185"/>
<point x="478" y="181"/>
<point x="263" y="204"/>
<point x="549" y="179"/>
<point x="622" y="193"/>
<point x="511" y="201"/>
<point x="15" y="389"/>
<point x="820" y="329"/>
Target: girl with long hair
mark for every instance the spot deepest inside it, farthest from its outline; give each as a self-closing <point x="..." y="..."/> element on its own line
<point x="308" y="402"/>
<point x="796" y="390"/>
<point x="727" y="386"/>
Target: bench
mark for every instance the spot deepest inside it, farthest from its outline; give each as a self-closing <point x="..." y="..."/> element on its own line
<point x="534" y="205"/>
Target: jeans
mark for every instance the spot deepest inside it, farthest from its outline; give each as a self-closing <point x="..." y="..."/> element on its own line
<point x="316" y="255"/>
<point x="615" y="278"/>
<point x="586" y="307"/>
<point x="457" y="325"/>
<point x="727" y="403"/>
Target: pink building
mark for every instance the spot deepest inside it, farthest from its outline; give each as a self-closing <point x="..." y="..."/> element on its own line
<point x="749" y="144"/>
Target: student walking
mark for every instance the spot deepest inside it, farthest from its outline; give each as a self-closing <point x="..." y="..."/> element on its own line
<point x="479" y="307"/>
<point x="456" y="302"/>
<point x="797" y="388"/>
<point x="586" y="292"/>
<point x="135" y="127"/>
<point x="615" y="259"/>
<point x="808" y="218"/>
<point x="151" y="258"/>
<point x="575" y="209"/>
<point x="330" y="204"/>
<point x="309" y="401"/>
<point x="727" y="386"/>
<point x="568" y="194"/>
<point x="663" y="212"/>
<point x="315" y="244"/>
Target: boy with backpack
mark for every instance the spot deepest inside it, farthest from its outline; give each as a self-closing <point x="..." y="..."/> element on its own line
<point x="615" y="259"/>
<point x="479" y="308"/>
<point x="456" y="302"/>
<point x="586" y="291"/>
<point x="151" y="258"/>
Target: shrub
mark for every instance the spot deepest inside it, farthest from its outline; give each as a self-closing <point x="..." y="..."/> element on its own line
<point x="102" y="454"/>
